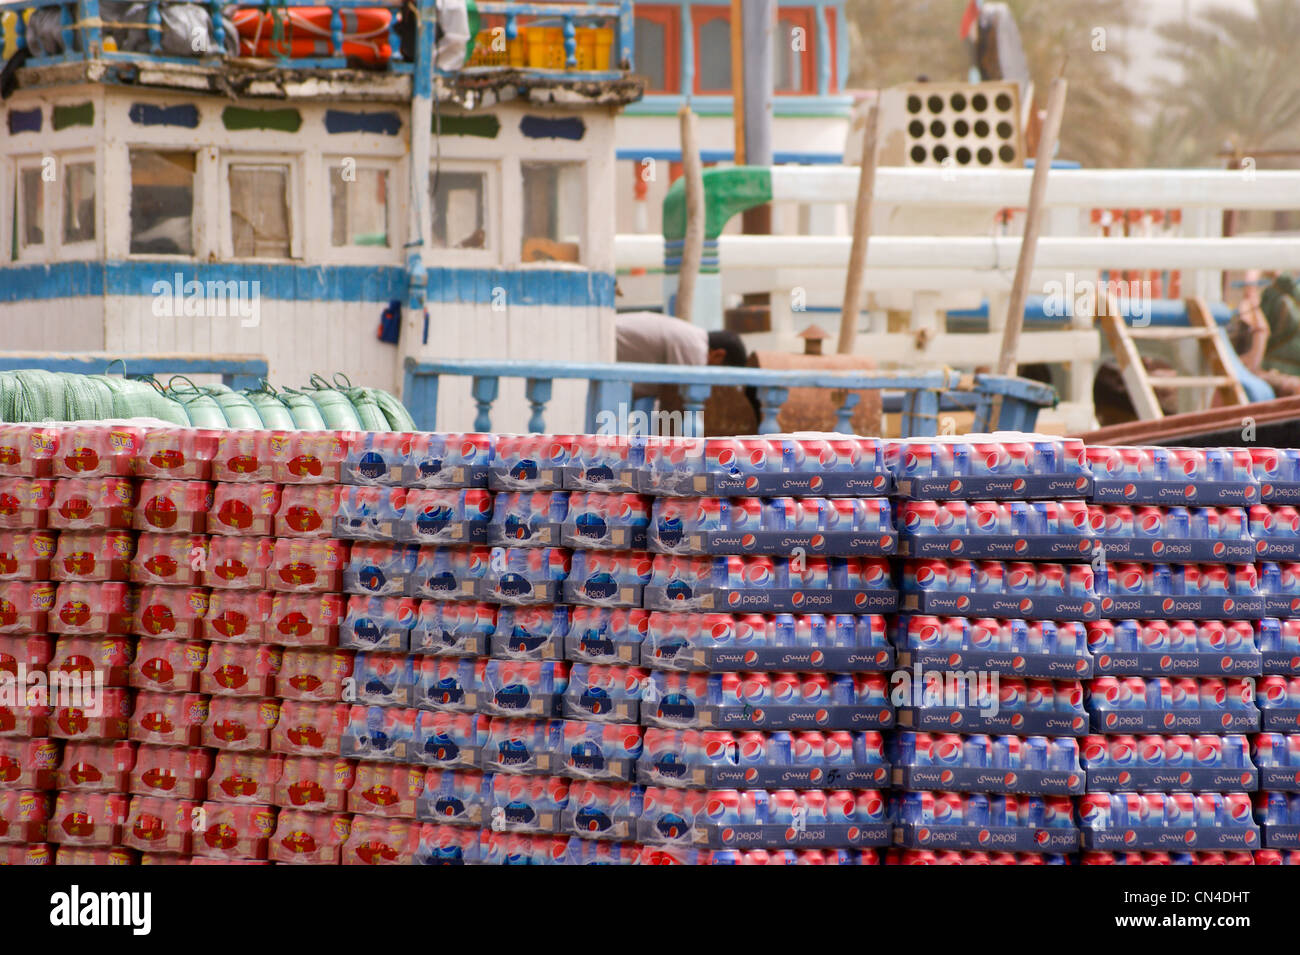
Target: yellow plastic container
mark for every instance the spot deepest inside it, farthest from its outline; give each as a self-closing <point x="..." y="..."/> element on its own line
<point x="545" y="47"/>
<point x="484" y="55"/>
<point x="594" y="45"/>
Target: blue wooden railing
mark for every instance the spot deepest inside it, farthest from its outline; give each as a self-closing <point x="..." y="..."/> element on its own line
<point x="83" y="29"/>
<point x="236" y="371"/>
<point x="1001" y="402"/>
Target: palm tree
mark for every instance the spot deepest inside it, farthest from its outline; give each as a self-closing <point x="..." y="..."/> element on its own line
<point x="1237" y="89"/>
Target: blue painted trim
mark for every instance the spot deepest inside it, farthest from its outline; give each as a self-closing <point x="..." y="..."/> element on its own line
<point x="234" y="372"/>
<point x="344" y="121"/>
<point x="334" y="283"/>
<point x="687" y="30"/>
<point x="1057" y="164"/>
<point x="784" y="104"/>
<point x="823" y="52"/>
<point x="184" y="115"/>
<point x="727" y="155"/>
<point x="24" y="121"/>
<point x="546" y="127"/>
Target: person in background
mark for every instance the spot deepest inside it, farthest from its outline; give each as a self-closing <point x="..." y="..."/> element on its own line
<point x="658" y="339"/>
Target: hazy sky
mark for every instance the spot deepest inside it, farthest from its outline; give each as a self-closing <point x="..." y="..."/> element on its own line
<point x="1145" y="63"/>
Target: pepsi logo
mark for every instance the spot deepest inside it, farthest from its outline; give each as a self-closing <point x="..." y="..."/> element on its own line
<point x="1021" y="546"/>
<point x="945" y="777"/>
<point x="1009" y="779"/>
<point x="1130" y="490"/>
<point x="955" y="719"/>
<point x="1103" y="662"/>
<point x="882" y="657"/>
<point x="1130" y="837"/>
<point x="1165" y="661"/>
<point x="923" y="835"/>
<point x="963" y="603"/>
<point x="886" y="542"/>
<point x="751" y="775"/>
<point x="1076" y="723"/>
<point x="1261" y="546"/>
<point x="1080" y="666"/>
<point x="1041" y="836"/>
<point x="1018" y="485"/>
<point x="796" y="598"/>
<point x="748" y="541"/>
<point x="817" y="542"/>
<point x="1080" y="483"/>
<point x="954" y="660"/>
<point x="1072" y="780"/>
<point x="1189" y="837"/>
<point x="823" y="716"/>
<point x="1184" y="778"/>
<point x="816" y="483"/>
<point x="860" y="599"/>
<point x="815" y="775"/>
<point x="1226" y="719"/>
<point x="954" y="487"/>
<point x="1157" y="547"/>
<point x="1026" y="605"/>
<point x="1084" y="546"/>
<point x="1087" y="607"/>
<point x="1266" y="490"/>
<point x="734" y="597"/>
<point x="854" y="833"/>
<point x="729" y="834"/>
<point x="1107" y="603"/>
<point x="1189" y="492"/>
<point x="1111" y="719"/>
<point x="1018" y="663"/>
<point x="1226" y="663"/>
<point x="1228" y="604"/>
<point x="817" y="658"/>
<point x="1018" y="720"/>
<point x="759" y="716"/>
<point x="1250" y="835"/>
<point x="1219" y="548"/>
<point x="1167" y="605"/>
<point x="983" y="836"/>
<point x="1124" y="777"/>
<point x="751" y="483"/>
<point x="1168" y="719"/>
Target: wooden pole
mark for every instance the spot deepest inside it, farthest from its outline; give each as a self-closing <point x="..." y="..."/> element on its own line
<point x="738" y="80"/>
<point x="855" y="280"/>
<point x="693" y="245"/>
<point x="1033" y="225"/>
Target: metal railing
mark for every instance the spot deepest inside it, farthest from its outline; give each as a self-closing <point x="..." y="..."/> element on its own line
<point x="1001" y="402"/>
<point x="83" y="29"/>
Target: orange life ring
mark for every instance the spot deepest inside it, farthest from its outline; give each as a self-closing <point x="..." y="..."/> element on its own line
<point x="305" y="32"/>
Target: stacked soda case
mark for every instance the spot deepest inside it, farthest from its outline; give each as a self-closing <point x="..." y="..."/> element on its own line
<point x="997" y="588"/>
<point x="1177" y="653"/>
<point x="766" y="649"/>
<point x="569" y="564"/>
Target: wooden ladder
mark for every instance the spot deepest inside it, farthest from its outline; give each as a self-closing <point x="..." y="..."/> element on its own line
<point x="1221" y="379"/>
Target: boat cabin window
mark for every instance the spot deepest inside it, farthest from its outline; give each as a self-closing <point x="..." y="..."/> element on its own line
<point x="259" y="211"/>
<point x="712" y="50"/>
<point x="162" y="202"/>
<point x="78" y="202"/>
<point x="31" y="206"/>
<point x="358" y="206"/>
<point x="459" y="201"/>
<point x="554" y="196"/>
<point x="657" y="47"/>
<point x="792" y="56"/>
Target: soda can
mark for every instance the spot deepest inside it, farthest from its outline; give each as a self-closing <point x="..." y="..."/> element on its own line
<point x="1119" y="521"/>
<point x="947" y="749"/>
<point x="1237" y="809"/>
<point x="781" y="748"/>
<point x="1101" y="636"/>
<point x="1011" y="693"/>
<point x="786" y="688"/>
<point x="1208" y="750"/>
<point x="1081" y="581"/>
<point x="1153" y="637"/>
<point x="1180" y="811"/>
<point x="1141" y="694"/>
<point x="842" y="689"/>
<point x="815" y="689"/>
<point x="1239" y="692"/>
<point x="1106" y="692"/>
<point x="1160" y="694"/>
<point x="1179" y="752"/>
<point x="976" y="751"/>
<point x="1260" y="520"/>
<point x="1186" y="694"/>
<point x="961" y="575"/>
<point x="989" y="577"/>
<point x="1239" y="636"/>
<point x="1183" y="636"/>
<point x="1095" y="751"/>
<point x="1021" y="578"/>
<point x="1004" y="810"/>
<point x="948" y="809"/>
<point x="1069" y="696"/>
<point x="918" y="808"/>
<point x="1234" y="749"/>
<point x="1023" y="518"/>
<point x="1232" y="523"/>
<point x="1213" y="694"/>
<point x="951" y="518"/>
<point x="1149" y="522"/>
<point x="1245" y="580"/>
<point x="1126" y="578"/>
<point x="1177" y="523"/>
<point x="1152" y="811"/>
<point x="1051" y="579"/>
<point x="1018" y="631"/>
<point x="1270" y="577"/>
<point x="976" y="810"/>
<point x="1035" y="753"/>
<point x="989" y="517"/>
<point x="1273" y="691"/>
<point x="1094" y="811"/>
<point x="1208" y="810"/>
<point x="1160" y="580"/>
<point x="1150" y="751"/>
<point x="986" y="634"/>
<point x="1189" y="463"/>
<point x="808" y="748"/>
<point x="1007" y="752"/>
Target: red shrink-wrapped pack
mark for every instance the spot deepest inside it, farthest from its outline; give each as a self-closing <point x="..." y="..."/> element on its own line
<point x="173" y="507"/>
<point x="172" y="771"/>
<point x="88" y="819"/>
<point x="93" y="855"/>
<point x="309" y="838"/>
<point x="92" y="449"/>
<point x="158" y="824"/>
<point x="84" y="657"/>
<point x="375" y="840"/>
<point x="92" y="504"/>
<point x="93" y="556"/>
<point x="307" y="510"/>
<point x="97" y="765"/>
<point x="25" y="503"/>
<point x="174" y="612"/>
<point x="386" y="789"/>
<point x="24" y="815"/>
<point x="241" y="669"/>
<point x="316" y="783"/>
<point x="170" y="559"/>
<point x="241" y="724"/>
<point x="33" y="651"/>
<point x="182" y="454"/>
<point x="243" y="457"/>
<point x="308" y="566"/>
<point x="306" y="620"/>
<point x="27" y="854"/>
<point x="28" y="450"/>
<point x="309" y="729"/>
<point x="308" y="457"/>
<point x="169" y="719"/>
<point x="248" y="778"/>
<point x="25" y="606"/>
<point x="86" y="714"/>
<point x="240" y="616"/>
<point x="314" y="675"/>
<point x="244" y="509"/>
<point x="29" y="763"/>
<point x="89" y="608"/>
<point x="168" y="666"/>
<point x="231" y="831"/>
<point x="239" y="563"/>
<point x="26" y="555"/>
